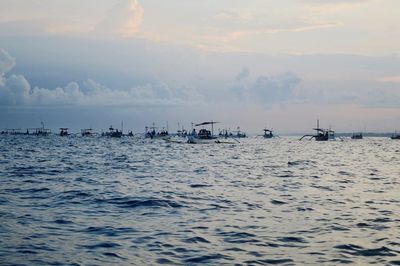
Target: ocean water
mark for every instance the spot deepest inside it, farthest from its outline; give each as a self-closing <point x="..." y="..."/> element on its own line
<point x="131" y="201"/>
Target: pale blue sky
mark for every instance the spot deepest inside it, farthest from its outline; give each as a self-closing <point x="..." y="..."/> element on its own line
<point x="302" y="59"/>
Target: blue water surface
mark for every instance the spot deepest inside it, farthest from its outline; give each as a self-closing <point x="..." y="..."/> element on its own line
<point x="130" y="201"/>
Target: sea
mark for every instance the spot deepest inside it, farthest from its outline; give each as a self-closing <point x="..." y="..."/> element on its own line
<point x="134" y="201"/>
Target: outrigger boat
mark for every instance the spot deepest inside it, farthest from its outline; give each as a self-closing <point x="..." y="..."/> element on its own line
<point x="225" y="133"/>
<point x="152" y="133"/>
<point x="395" y="135"/>
<point x="114" y="133"/>
<point x="357" y="136"/>
<point x="87" y="132"/>
<point x="205" y="136"/>
<point x="12" y="132"/>
<point x="321" y="134"/>
<point x="64" y="131"/>
<point x="268" y="133"/>
<point x="40" y="131"/>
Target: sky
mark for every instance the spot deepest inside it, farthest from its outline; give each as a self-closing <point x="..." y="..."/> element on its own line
<point x="254" y="64"/>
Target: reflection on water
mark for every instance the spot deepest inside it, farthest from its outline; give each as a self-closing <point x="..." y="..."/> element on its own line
<point x="130" y="201"/>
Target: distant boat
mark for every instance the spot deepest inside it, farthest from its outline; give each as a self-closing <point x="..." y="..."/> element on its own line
<point x="153" y="133"/>
<point x="12" y="132"/>
<point x="204" y="136"/>
<point x="87" y="132"/>
<point x="357" y="136"/>
<point x="268" y="133"/>
<point x="321" y="134"/>
<point x="114" y="133"/>
<point x="40" y="131"/>
<point x="395" y="135"/>
<point x="64" y="131"/>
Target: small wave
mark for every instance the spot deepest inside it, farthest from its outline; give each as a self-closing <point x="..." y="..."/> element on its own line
<point x="360" y="251"/>
<point x="207" y="258"/>
<point x="292" y="239"/>
<point x="278" y="202"/>
<point x="113" y="255"/>
<point x="102" y="245"/>
<point x="196" y="239"/>
<point x="128" y="202"/>
<point x="109" y="230"/>
<point x="199" y="185"/>
<point x="269" y="261"/>
<point x="62" y="221"/>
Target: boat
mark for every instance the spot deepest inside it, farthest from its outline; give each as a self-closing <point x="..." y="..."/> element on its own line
<point x="153" y="133"/>
<point x="225" y="133"/>
<point x="40" y="131"/>
<point x="321" y="134"/>
<point x="268" y="133"/>
<point x="395" y="135"/>
<point x="204" y="136"/>
<point x="114" y="133"/>
<point x="64" y="131"/>
<point x="357" y="136"/>
<point x="12" y="132"/>
<point x="87" y="132"/>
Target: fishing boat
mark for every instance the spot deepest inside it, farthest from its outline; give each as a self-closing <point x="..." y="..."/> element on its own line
<point x="12" y="132"/>
<point x="268" y="133"/>
<point x="357" y="136"/>
<point x="321" y="134"/>
<point x="64" y="131"/>
<point x="153" y="133"/>
<point x="87" y="132"/>
<point x="204" y="136"/>
<point x="114" y="133"/>
<point x="395" y="135"/>
<point x="40" y="131"/>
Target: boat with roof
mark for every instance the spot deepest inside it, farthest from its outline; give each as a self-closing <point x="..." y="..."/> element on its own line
<point x="87" y="132"/>
<point x="40" y="131"/>
<point x="321" y="134"/>
<point x="112" y="132"/>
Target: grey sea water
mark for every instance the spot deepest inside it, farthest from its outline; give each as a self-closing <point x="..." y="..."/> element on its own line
<point x="130" y="201"/>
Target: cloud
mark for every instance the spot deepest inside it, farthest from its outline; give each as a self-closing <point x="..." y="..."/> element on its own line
<point x="265" y="89"/>
<point x="124" y="19"/>
<point x="15" y="90"/>
<point x="275" y="88"/>
<point x="244" y="73"/>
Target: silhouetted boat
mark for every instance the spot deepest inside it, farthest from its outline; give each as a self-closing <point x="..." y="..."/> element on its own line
<point x="204" y="136"/>
<point x="321" y="134"/>
<point x="87" y="132"/>
<point x="268" y="133"/>
<point x="64" y="131"/>
<point x="40" y="131"/>
<point x="114" y="133"/>
<point x="357" y="136"/>
<point x="153" y="133"/>
<point x="395" y="135"/>
<point x="12" y="132"/>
